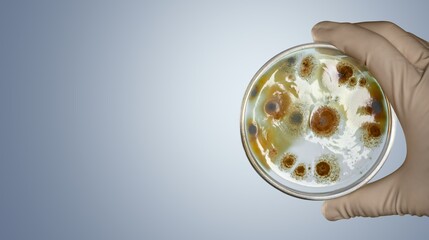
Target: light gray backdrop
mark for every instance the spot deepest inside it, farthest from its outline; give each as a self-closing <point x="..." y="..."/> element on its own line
<point x="120" y="120"/>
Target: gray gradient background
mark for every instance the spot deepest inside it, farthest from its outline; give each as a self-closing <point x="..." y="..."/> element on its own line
<point x="120" y="120"/>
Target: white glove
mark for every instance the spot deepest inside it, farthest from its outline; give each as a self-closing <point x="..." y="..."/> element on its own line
<point x="399" y="61"/>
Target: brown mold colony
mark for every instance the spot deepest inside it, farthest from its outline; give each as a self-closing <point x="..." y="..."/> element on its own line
<point x="277" y="105"/>
<point x="371" y="134"/>
<point x="364" y="110"/>
<point x="272" y="107"/>
<point x="352" y="82"/>
<point x="300" y="172"/>
<point x="362" y="82"/>
<point x="272" y="152"/>
<point x="287" y="161"/>
<point x="323" y="169"/>
<point x="306" y="67"/>
<point x="345" y="72"/>
<point x="324" y="121"/>
<point x="326" y="169"/>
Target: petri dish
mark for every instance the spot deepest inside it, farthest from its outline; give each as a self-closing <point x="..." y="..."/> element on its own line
<point x="315" y="123"/>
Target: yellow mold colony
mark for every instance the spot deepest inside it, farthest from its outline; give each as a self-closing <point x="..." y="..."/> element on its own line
<point x="315" y="117"/>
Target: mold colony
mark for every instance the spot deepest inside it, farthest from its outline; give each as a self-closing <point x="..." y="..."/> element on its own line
<point x="288" y="161"/>
<point x="307" y="67"/>
<point x="323" y="103"/>
<point x="277" y="105"/>
<point x="324" y="121"/>
<point x="327" y="169"/>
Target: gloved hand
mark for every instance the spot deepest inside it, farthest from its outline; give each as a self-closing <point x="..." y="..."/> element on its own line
<point x="399" y="60"/>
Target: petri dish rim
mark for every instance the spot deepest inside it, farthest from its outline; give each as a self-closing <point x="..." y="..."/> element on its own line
<point x="391" y="126"/>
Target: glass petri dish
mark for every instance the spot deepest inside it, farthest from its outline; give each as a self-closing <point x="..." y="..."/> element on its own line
<point x="315" y="123"/>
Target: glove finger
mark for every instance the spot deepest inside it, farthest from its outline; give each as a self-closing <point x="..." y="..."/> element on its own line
<point x="396" y="75"/>
<point x="421" y="40"/>
<point x="411" y="48"/>
<point x="372" y="200"/>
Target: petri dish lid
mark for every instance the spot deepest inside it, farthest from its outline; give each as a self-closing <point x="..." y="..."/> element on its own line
<point x="315" y="123"/>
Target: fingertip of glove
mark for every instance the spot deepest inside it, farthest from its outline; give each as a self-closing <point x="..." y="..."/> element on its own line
<point x="329" y="213"/>
<point x="324" y="209"/>
<point x="319" y="27"/>
<point x="324" y="26"/>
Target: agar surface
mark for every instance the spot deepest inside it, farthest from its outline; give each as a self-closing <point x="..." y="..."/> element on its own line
<point x="315" y="111"/>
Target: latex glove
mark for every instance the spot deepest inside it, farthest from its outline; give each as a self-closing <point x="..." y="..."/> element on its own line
<point x="399" y="61"/>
